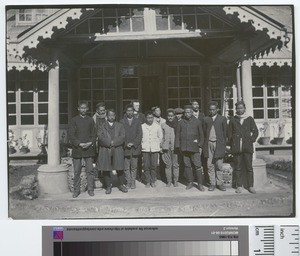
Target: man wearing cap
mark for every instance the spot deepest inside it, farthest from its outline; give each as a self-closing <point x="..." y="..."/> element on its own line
<point x="214" y="128"/>
<point x="189" y="139"/>
<point x="242" y="133"/>
<point x="179" y="113"/>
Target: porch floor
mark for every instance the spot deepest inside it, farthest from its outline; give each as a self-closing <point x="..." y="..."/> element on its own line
<point x="160" y="202"/>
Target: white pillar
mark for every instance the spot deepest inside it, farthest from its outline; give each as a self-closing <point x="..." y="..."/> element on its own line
<point x="238" y="83"/>
<point x="52" y="178"/>
<point x="247" y="86"/>
<point x="53" y="117"/>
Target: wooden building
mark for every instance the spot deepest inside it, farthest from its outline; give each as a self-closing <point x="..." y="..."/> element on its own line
<point x="161" y="55"/>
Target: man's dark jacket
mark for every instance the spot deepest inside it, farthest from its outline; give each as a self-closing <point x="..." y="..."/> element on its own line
<point x="189" y="135"/>
<point x="133" y="134"/>
<point x="247" y="132"/>
<point x="220" y="125"/>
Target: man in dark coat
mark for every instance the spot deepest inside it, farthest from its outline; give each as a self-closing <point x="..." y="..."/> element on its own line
<point x="111" y="137"/>
<point x="196" y="110"/>
<point x="214" y="128"/>
<point x="133" y="139"/>
<point x="82" y="137"/>
<point x="189" y="139"/>
<point x="242" y="133"/>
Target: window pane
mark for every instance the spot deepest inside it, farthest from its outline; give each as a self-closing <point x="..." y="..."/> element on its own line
<point x="196" y="92"/>
<point x="215" y="93"/>
<point x="172" y="82"/>
<point x="97" y="72"/>
<point x="11" y="108"/>
<point x="172" y="103"/>
<point x="162" y="22"/>
<point x="272" y="91"/>
<point x="258" y="113"/>
<point x="183" y="82"/>
<point x="109" y="72"/>
<point x="257" y="81"/>
<point x="215" y="82"/>
<point x="111" y="94"/>
<point x="273" y="113"/>
<point x="97" y="84"/>
<point x="83" y="28"/>
<point x="183" y="70"/>
<point x="286" y="113"/>
<point x="26" y="108"/>
<point x="286" y="103"/>
<point x="184" y="93"/>
<point x="173" y="93"/>
<point x="189" y="22"/>
<point x="130" y="83"/>
<point x="258" y="103"/>
<point x="129" y="94"/>
<point x="43" y="108"/>
<point x="85" y="95"/>
<point x="26" y="97"/>
<point x="137" y="24"/>
<point x="109" y="83"/>
<point x="110" y="25"/>
<point x="272" y="103"/>
<point x="43" y="96"/>
<point x="195" y="81"/>
<point x="124" y="24"/>
<point x="96" y="26"/>
<point x="175" y="22"/>
<point x="63" y="107"/>
<point x="11" y="97"/>
<point x="98" y="95"/>
<point x="215" y="23"/>
<point x="43" y="119"/>
<point x="258" y="92"/>
<point x="11" y="120"/>
<point x="63" y="96"/>
<point x="27" y="119"/>
<point x="85" y="84"/>
<point x="85" y="72"/>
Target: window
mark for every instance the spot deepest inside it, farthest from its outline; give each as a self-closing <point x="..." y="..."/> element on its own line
<point x="130" y="84"/>
<point x="272" y="97"/>
<point x="186" y="18"/>
<point x="98" y="84"/>
<point x="31" y="16"/>
<point x="184" y="84"/>
<point x="27" y="98"/>
<point x="113" y="20"/>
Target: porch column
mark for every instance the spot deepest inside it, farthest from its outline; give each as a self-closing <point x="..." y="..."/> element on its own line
<point x="52" y="178"/>
<point x="247" y="85"/>
<point x="238" y="83"/>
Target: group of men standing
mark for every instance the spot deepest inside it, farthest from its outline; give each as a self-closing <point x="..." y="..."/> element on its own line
<point x="140" y="142"/>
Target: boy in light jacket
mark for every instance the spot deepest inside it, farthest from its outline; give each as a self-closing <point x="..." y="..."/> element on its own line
<point x="151" y="146"/>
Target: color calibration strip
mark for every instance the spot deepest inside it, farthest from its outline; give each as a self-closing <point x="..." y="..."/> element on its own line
<point x="151" y="248"/>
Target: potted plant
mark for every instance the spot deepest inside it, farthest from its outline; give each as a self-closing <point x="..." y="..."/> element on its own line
<point x="264" y="138"/>
<point x="12" y="142"/>
<point x="23" y="144"/>
<point x="278" y="131"/>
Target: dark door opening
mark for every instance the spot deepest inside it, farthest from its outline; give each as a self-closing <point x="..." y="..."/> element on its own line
<point x="150" y="92"/>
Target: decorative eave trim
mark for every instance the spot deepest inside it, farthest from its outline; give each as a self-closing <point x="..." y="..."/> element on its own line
<point x="259" y="22"/>
<point x="42" y="30"/>
<point x="272" y="62"/>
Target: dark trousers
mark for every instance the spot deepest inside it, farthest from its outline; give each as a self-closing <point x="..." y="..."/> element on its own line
<point x="130" y="168"/>
<point x="243" y="167"/>
<point x="192" y="160"/>
<point x="150" y="164"/>
<point x="108" y="178"/>
<point x="89" y="173"/>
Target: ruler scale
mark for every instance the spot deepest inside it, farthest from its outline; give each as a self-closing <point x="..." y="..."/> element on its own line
<point x="274" y="240"/>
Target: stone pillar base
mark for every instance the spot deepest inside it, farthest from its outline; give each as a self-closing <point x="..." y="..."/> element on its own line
<point x="260" y="174"/>
<point x="53" y="179"/>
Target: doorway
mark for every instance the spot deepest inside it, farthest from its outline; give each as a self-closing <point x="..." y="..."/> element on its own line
<point x="150" y="92"/>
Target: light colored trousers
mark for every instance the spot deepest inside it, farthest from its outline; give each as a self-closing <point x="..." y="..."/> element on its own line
<point x="214" y="165"/>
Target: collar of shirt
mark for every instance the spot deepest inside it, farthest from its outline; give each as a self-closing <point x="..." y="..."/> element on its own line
<point x="82" y="116"/>
<point x="214" y="117"/>
<point x="110" y="123"/>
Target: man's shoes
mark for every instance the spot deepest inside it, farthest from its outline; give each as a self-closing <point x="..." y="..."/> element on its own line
<point x="123" y="189"/>
<point x="153" y="185"/>
<point x="169" y="184"/>
<point x="128" y="185"/>
<point x="222" y="188"/>
<point x="175" y="184"/>
<point x="91" y="193"/>
<point x="108" y="190"/>
<point x="147" y="185"/>
<point x="201" y="187"/>
<point x="76" y="194"/>
<point x="189" y="185"/>
<point x="238" y="190"/>
<point x="252" y="190"/>
<point x="133" y="186"/>
<point x="211" y="188"/>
